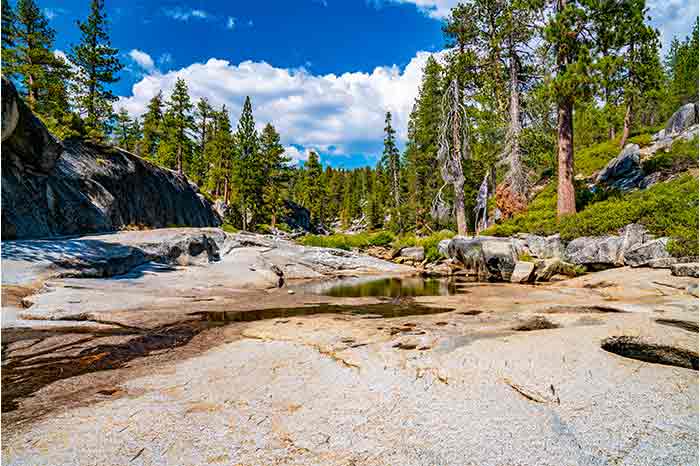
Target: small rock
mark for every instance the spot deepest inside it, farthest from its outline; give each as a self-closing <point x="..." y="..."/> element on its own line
<point x="693" y="289"/>
<point x="685" y="270"/>
<point x="290" y="291"/>
<point x="414" y="253"/>
<point x="547" y="269"/>
<point x="523" y="272"/>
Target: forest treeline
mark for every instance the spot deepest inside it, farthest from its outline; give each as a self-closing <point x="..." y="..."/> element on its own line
<point x="536" y="79"/>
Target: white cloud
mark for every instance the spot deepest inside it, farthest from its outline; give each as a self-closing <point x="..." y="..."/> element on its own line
<point x="142" y="59"/>
<point x="231" y="22"/>
<point x="296" y="155"/>
<point x="334" y="114"/>
<point x="184" y="14"/>
<point x="673" y="18"/>
<point x="438" y="9"/>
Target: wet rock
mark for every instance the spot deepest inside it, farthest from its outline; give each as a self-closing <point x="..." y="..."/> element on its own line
<point x="594" y="251"/>
<point x="624" y="172"/>
<point x="523" y="272"/>
<point x="413" y="253"/>
<point x="642" y="254"/>
<point x="685" y="270"/>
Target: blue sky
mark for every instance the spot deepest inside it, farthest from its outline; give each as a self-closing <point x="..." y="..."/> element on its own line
<point x="322" y="71"/>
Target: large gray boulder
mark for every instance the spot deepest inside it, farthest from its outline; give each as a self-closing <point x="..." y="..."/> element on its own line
<point x="685" y="270"/>
<point x="488" y="257"/>
<point x="647" y="252"/>
<point x="51" y="188"/>
<point x="685" y="117"/>
<point x="624" y="172"/>
<point x="543" y="247"/>
<point x="594" y="251"/>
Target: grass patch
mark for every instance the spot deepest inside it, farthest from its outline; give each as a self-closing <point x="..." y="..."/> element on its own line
<point x="228" y="228"/>
<point x="349" y="241"/>
<point x="666" y="209"/>
<point x="379" y="238"/>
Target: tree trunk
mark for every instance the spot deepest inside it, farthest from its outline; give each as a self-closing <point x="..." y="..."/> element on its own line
<point x="179" y="158"/>
<point x="626" y="127"/>
<point x="459" y="207"/>
<point x="273" y="220"/>
<point x="566" y="196"/>
<point x="611" y="133"/>
<point x="516" y="175"/>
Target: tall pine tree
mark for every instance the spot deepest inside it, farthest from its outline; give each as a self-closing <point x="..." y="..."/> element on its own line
<point x="97" y="63"/>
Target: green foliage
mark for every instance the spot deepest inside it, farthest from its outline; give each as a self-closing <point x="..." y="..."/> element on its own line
<point x="228" y="228"/>
<point x="349" y="241"/>
<point x="429" y="243"/>
<point x="683" y="155"/>
<point x="592" y="159"/>
<point x="682" y="66"/>
<point x="525" y="257"/>
<point x="97" y="63"/>
<point x="666" y="209"/>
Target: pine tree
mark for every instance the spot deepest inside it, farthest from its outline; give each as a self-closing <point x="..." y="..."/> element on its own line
<point x="180" y="121"/>
<point x="275" y="167"/>
<point x="390" y="160"/>
<point x="203" y="117"/>
<point x="123" y="128"/>
<point x="314" y="197"/>
<point x="422" y="145"/>
<point x="27" y="55"/>
<point x="97" y="64"/>
<point x="9" y="40"/>
<point x="640" y="62"/>
<point x="219" y="155"/>
<point x="247" y="174"/>
<point x="564" y="33"/>
<point x="152" y="131"/>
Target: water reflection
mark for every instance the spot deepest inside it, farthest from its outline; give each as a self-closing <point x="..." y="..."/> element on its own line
<point x="393" y="287"/>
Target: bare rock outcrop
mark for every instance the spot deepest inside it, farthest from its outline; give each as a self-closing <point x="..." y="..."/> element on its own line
<point x="52" y="188"/>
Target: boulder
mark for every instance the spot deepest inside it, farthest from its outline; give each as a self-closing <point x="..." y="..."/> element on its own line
<point x="523" y="272"/>
<point x="693" y="289"/>
<point x="594" y="251"/>
<point x="543" y="247"/>
<point x="642" y="254"/>
<point x="548" y="268"/>
<point x="51" y="188"/>
<point x="442" y="247"/>
<point x="685" y="270"/>
<point x="624" y="172"/>
<point x="413" y="253"/>
<point x="684" y="117"/>
<point x="489" y="257"/>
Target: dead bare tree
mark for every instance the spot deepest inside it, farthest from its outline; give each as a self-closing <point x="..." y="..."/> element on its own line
<point x="454" y="148"/>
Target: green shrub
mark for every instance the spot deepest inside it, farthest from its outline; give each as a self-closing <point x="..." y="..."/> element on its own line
<point x="525" y="257"/>
<point x="641" y="140"/>
<point x="683" y="155"/>
<point x="429" y="243"/>
<point x="666" y="209"/>
<point x="349" y="241"/>
<point x="228" y="228"/>
<point x="591" y="159"/>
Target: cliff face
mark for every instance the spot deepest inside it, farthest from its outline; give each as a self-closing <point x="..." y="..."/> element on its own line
<point x="52" y="188"/>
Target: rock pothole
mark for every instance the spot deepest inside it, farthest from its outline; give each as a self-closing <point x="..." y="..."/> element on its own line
<point x="636" y="348"/>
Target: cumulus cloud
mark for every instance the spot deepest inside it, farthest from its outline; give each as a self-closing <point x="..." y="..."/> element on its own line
<point x="184" y="14"/>
<point x="142" y="59"/>
<point x="333" y="114"/>
<point x="230" y="22"/>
